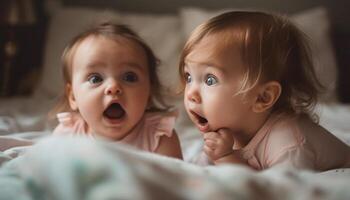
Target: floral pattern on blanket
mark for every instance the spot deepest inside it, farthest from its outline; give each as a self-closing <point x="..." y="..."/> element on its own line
<point x="79" y="168"/>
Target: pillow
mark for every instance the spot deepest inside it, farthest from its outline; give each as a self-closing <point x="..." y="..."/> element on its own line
<point x="314" y="23"/>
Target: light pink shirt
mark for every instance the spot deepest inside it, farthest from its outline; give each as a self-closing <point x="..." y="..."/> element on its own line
<point x="295" y="141"/>
<point x="145" y="135"/>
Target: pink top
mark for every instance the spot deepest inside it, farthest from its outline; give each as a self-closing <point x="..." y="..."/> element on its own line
<point x="295" y="141"/>
<point x="145" y="135"/>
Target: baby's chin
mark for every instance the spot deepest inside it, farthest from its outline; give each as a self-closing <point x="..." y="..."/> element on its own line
<point x="212" y="127"/>
<point x="113" y="134"/>
<point x="114" y="137"/>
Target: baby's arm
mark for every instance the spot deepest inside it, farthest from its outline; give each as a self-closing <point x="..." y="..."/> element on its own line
<point x="170" y="146"/>
<point x="218" y="147"/>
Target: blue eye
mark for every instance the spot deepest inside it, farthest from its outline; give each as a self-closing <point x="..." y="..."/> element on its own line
<point x="188" y="78"/>
<point x="130" y="77"/>
<point x="95" y="78"/>
<point x="210" y="80"/>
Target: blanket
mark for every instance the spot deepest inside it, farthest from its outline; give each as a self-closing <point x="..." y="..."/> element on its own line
<point x="79" y="168"/>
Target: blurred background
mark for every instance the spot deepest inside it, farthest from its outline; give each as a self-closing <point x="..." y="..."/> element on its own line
<point x="24" y="26"/>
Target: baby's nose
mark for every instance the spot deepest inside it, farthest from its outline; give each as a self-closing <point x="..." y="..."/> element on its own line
<point x="193" y="95"/>
<point x="113" y="89"/>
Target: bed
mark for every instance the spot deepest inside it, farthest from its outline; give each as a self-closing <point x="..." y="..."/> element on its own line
<point x="36" y="165"/>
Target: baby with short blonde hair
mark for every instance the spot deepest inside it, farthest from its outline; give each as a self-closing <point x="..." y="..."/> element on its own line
<point x="250" y="88"/>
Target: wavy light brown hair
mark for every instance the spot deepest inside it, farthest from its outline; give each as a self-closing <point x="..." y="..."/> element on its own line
<point x="112" y="31"/>
<point x="272" y="49"/>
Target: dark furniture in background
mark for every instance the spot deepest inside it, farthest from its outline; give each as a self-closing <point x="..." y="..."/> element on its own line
<point x="22" y="31"/>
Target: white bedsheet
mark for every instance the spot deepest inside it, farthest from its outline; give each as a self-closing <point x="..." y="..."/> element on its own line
<point x="24" y="114"/>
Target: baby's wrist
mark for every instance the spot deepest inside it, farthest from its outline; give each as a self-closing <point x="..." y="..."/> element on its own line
<point x="223" y="156"/>
<point x="229" y="157"/>
<point x="228" y="153"/>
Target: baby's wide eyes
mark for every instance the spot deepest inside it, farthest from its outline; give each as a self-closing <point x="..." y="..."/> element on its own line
<point x="188" y="78"/>
<point x="210" y="80"/>
<point x="95" y="78"/>
<point x="130" y="77"/>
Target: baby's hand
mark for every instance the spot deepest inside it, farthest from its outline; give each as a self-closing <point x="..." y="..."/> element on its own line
<point x="218" y="144"/>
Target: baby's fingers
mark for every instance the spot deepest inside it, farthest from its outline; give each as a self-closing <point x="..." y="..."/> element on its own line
<point x="210" y="143"/>
<point x="211" y="135"/>
<point x="209" y="151"/>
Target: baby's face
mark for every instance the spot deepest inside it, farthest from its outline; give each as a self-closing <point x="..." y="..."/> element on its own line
<point x="214" y="72"/>
<point x="110" y="85"/>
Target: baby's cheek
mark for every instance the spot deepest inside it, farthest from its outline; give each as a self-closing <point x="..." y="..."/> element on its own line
<point x="185" y="104"/>
<point x="222" y="112"/>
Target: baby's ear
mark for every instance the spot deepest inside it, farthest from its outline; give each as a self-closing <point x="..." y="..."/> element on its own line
<point x="71" y="98"/>
<point x="267" y="96"/>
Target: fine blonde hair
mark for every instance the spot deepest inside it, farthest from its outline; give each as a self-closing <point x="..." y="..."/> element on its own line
<point x="112" y="31"/>
<point x="272" y="49"/>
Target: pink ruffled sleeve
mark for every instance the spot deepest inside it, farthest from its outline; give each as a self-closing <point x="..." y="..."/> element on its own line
<point x="163" y="125"/>
<point x="70" y="124"/>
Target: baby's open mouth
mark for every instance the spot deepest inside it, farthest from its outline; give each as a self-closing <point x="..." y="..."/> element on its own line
<point x="201" y="120"/>
<point x="114" y="111"/>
